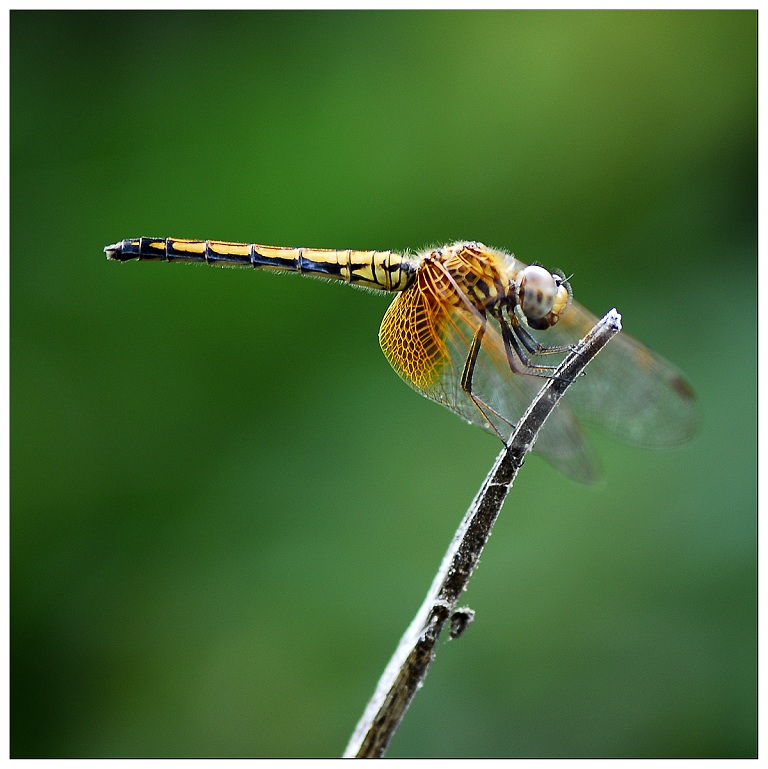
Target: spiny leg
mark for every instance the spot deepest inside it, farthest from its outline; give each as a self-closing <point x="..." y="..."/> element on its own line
<point x="519" y="332"/>
<point x="533" y="345"/>
<point x="516" y="357"/>
<point x="466" y="382"/>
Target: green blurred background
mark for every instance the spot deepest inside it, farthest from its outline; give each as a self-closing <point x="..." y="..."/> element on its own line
<point x="226" y="507"/>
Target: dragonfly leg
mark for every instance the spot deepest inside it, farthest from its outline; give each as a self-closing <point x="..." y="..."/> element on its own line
<point x="518" y="361"/>
<point x="533" y="345"/>
<point x="466" y="383"/>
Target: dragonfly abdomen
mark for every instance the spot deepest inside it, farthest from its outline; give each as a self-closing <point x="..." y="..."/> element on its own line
<point x="382" y="270"/>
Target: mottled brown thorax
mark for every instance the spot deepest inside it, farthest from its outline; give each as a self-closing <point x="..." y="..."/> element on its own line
<point x="477" y="271"/>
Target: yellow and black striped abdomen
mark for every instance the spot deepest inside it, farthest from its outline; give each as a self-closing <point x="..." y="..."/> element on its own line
<point x="382" y="270"/>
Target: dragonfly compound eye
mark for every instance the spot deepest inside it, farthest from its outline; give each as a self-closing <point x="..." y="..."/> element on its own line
<point x="536" y="291"/>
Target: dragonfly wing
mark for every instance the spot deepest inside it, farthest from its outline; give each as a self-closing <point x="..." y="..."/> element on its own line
<point x="627" y="390"/>
<point x="412" y="337"/>
<point x="427" y="341"/>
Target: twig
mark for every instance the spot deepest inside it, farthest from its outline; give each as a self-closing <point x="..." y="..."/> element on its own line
<point x="407" y="669"/>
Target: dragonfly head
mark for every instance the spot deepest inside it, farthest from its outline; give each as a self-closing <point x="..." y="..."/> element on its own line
<point x="542" y="296"/>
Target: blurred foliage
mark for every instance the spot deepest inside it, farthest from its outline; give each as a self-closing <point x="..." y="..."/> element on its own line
<point x="226" y="507"/>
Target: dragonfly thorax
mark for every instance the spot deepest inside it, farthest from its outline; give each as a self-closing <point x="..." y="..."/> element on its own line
<point x="469" y="272"/>
<point x="491" y="280"/>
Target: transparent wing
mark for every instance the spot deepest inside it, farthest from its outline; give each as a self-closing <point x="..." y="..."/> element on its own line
<point x="427" y="341"/>
<point x="627" y="390"/>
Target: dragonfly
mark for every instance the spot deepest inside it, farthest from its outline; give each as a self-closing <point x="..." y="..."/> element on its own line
<point x="477" y="331"/>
